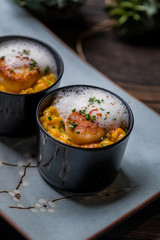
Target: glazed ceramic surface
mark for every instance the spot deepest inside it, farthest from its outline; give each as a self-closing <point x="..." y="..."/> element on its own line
<point x="31" y="203"/>
<point x="78" y="169"/>
<point x="17" y="111"/>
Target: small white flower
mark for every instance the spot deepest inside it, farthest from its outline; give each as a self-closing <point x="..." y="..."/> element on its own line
<point x="15" y="199"/>
<point x="51" y="204"/>
<point x="20" y="205"/>
<point x="45" y="205"/>
<point x="41" y="200"/>
<point x="33" y="210"/>
<point x="16" y="191"/>
<point x="38" y="205"/>
<point x="42" y="209"/>
<point x="20" y="163"/>
<point x="11" y="193"/>
<point x="51" y="210"/>
<point x="25" y="183"/>
<point x="15" y="195"/>
<point x="21" y="173"/>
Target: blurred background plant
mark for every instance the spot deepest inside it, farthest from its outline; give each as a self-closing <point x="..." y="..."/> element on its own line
<point x="134" y="18"/>
<point x="51" y="10"/>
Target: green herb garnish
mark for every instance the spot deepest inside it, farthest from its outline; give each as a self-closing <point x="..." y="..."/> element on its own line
<point x="50" y="118"/>
<point x="73" y="110"/>
<point x="47" y="70"/>
<point x="126" y="130"/>
<point x="87" y="117"/>
<point x="98" y="101"/>
<point x="82" y="111"/>
<point x="108" y="135"/>
<point x="3" y="57"/>
<point x="27" y="52"/>
<point x="78" y="132"/>
<point x="59" y="127"/>
<point x="92" y="118"/>
<point x="69" y="139"/>
<point x="73" y="125"/>
<point x="60" y="121"/>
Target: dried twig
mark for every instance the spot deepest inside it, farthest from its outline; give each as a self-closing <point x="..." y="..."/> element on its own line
<point x="105" y="25"/>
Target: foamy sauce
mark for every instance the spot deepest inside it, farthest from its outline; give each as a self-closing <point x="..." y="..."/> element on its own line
<point x="15" y="50"/>
<point x="109" y="111"/>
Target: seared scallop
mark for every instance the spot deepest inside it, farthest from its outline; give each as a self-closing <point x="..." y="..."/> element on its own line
<point x="19" y="78"/>
<point x="83" y="131"/>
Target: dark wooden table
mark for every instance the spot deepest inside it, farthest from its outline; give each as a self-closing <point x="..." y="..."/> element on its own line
<point x="134" y="67"/>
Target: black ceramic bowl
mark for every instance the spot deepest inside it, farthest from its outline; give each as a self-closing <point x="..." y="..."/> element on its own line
<point x="17" y="111"/>
<point x="78" y="169"/>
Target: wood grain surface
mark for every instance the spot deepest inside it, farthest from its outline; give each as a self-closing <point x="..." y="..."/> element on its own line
<point x="134" y="67"/>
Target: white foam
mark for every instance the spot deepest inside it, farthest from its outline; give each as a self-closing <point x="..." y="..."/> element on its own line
<point x="112" y="112"/>
<point x="37" y="52"/>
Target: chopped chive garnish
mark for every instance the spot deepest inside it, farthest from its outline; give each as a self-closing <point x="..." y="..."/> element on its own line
<point x="73" y="110"/>
<point x="82" y="111"/>
<point x="69" y="117"/>
<point x="11" y="71"/>
<point x="87" y="116"/>
<point x="38" y="70"/>
<point x="101" y="145"/>
<point x="91" y="100"/>
<point x="114" y="119"/>
<point x="92" y="118"/>
<point x="54" y="126"/>
<point x="69" y="139"/>
<point x="78" y="132"/>
<point x="108" y="112"/>
<point x="60" y="121"/>
<point x="3" y="57"/>
<point x="73" y="125"/>
<point x="47" y="70"/>
<point x="27" y="52"/>
<point x="59" y="127"/>
<point x="98" y="101"/>
<point x="50" y="118"/>
<point x="102" y="109"/>
<point x="126" y="130"/>
<point x="105" y="118"/>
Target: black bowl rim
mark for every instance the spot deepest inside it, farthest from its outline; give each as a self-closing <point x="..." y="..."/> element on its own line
<point x="50" y="48"/>
<point x="131" y="116"/>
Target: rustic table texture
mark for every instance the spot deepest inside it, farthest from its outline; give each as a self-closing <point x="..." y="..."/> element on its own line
<point x="135" y="68"/>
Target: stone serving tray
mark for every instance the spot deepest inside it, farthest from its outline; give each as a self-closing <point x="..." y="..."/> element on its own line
<point x="30" y="204"/>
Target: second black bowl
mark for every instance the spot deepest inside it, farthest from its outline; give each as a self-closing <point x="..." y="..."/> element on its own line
<point x="17" y="111"/>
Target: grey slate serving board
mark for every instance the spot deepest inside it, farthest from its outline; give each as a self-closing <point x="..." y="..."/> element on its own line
<point x="43" y="213"/>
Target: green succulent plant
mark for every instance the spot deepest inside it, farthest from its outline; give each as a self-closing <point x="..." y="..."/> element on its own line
<point x="38" y="4"/>
<point x="49" y="10"/>
<point x="135" y="17"/>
